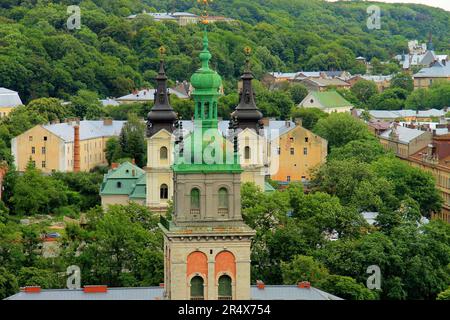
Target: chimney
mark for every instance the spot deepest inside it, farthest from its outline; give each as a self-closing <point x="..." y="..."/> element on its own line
<point x="133" y="161"/>
<point x="114" y="165"/>
<point x="32" y="289"/>
<point x="265" y="121"/>
<point x="299" y="122"/>
<point x="107" y="122"/>
<point x="260" y="284"/>
<point x="304" y="285"/>
<point x="95" y="289"/>
<point x="161" y="285"/>
<point x="76" y="149"/>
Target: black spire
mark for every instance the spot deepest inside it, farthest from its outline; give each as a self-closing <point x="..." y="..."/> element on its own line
<point x="162" y="115"/>
<point x="247" y="113"/>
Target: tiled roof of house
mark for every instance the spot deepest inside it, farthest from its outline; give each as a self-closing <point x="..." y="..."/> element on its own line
<point x="9" y="98"/>
<point x="88" y="129"/>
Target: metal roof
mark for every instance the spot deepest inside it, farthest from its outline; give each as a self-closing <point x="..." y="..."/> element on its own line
<point x="88" y="129"/>
<point x="405" y="135"/>
<point x="437" y="70"/>
<point x="148" y="95"/>
<point x="281" y="292"/>
<point x="9" y="98"/>
<point x="284" y="292"/>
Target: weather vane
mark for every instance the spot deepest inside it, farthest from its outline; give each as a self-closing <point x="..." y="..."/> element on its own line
<point x="204" y="15"/>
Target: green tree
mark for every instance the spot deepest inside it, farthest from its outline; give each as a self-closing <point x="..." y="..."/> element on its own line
<point x="341" y="128"/>
<point x="113" y="150"/>
<point x="303" y="268"/>
<point x="403" y="81"/>
<point x="360" y="150"/>
<point x="418" y="100"/>
<point x="347" y="288"/>
<point x="50" y="108"/>
<point x="444" y="295"/>
<point x="132" y="140"/>
<point x="309" y="116"/>
<point x="364" y="90"/>
<point x="298" y="92"/>
<point x="86" y="105"/>
<point x="8" y="283"/>
<point x="46" y="279"/>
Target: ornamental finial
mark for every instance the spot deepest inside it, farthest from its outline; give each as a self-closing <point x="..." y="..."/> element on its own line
<point x="204" y="16"/>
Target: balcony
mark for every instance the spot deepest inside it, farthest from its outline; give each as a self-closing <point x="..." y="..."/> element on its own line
<point x="195" y="211"/>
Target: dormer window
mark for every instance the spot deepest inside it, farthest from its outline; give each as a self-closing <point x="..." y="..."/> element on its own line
<point x="119" y="185"/>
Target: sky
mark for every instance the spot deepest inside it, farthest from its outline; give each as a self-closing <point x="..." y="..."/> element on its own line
<point x="444" y="4"/>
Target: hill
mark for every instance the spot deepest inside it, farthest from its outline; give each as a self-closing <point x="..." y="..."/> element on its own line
<point x="112" y="55"/>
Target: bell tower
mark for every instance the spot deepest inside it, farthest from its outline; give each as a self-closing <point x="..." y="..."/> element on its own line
<point x="207" y="243"/>
<point x="161" y="122"/>
<point x="252" y="143"/>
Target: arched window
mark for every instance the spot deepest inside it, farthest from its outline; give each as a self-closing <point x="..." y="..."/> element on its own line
<point x="225" y="288"/>
<point x="119" y="185"/>
<point x="164" y="192"/>
<point x="197" y="288"/>
<point x="223" y="201"/>
<point x="195" y="201"/>
<point x="247" y="153"/>
<point x="163" y="153"/>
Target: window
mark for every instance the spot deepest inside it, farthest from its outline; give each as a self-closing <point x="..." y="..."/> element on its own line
<point x="306" y="139"/>
<point x="43" y="150"/>
<point x="197" y="288"/>
<point x="225" y="288"/>
<point x="288" y="179"/>
<point x="279" y="150"/>
<point x="223" y="201"/>
<point x="119" y="185"/>
<point x="305" y="151"/>
<point x="292" y="151"/>
<point x="43" y="164"/>
<point x="312" y="101"/>
<point x="30" y="138"/>
<point x="291" y="139"/>
<point x="164" y="192"/>
<point x="45" y="138"/>
<point x="247" y="153"/>
<point x="163" y="153"/>
<point x="33" y="150"/>
<point x="195" y="201"/>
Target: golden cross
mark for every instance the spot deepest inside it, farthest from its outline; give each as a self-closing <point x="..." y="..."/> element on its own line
<point x="162" y="51"/>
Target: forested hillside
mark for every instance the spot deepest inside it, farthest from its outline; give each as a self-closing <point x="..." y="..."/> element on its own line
<point x="111" y="55"/>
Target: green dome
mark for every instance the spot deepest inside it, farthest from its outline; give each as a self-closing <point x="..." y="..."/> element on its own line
<point x="205" y="79"/>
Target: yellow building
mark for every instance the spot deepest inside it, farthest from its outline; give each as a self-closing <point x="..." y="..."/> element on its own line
<point x="8" y="101"/>
<point x="435" y="159"/>
<point x="439" y="71"/>
<point x="52" y="147"/>
<point x="404" y="141"/>
<point x="295" y="153"/>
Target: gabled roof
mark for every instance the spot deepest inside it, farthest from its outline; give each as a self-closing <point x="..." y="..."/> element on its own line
<point x="328" y="99"/>
<point x="437" y="70"/>
<point x="9" y="98"/>
<point x="405" y="135"/>
<point x="88" y="129"/>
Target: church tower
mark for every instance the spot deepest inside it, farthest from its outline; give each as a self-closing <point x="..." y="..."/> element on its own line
<point x="161" y="122"/>
<point x="253" y="144"/>
<point x="207" y="243"/>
